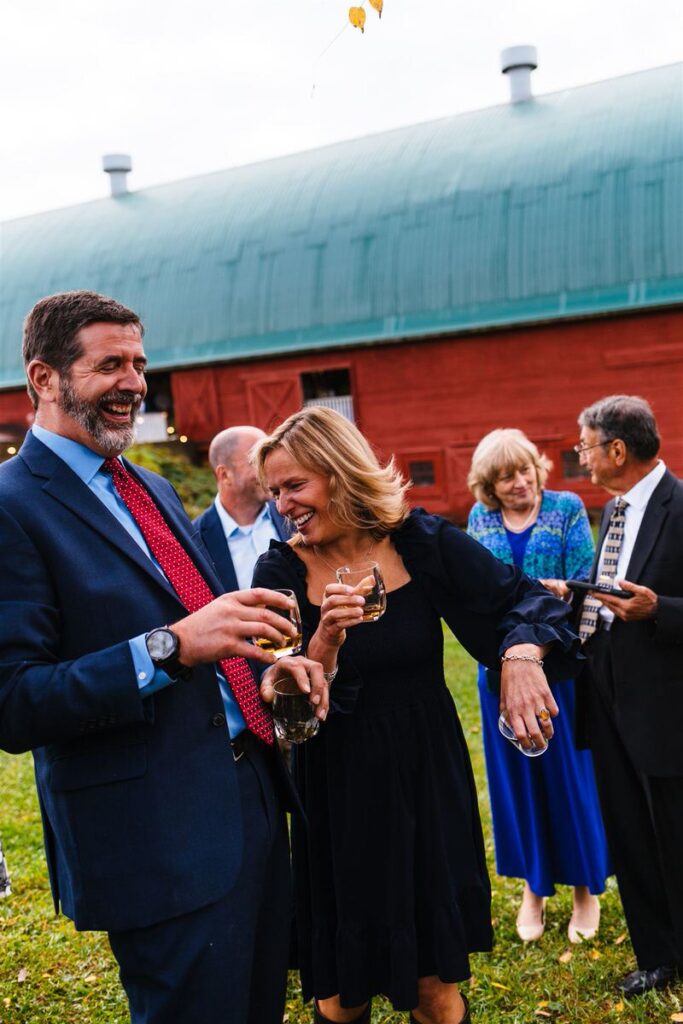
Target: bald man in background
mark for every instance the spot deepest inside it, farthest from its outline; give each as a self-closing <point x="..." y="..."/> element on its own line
<point x="240" y="524"/>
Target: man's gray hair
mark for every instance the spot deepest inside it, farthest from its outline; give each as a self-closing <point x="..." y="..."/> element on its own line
<point x="627" y="417"/>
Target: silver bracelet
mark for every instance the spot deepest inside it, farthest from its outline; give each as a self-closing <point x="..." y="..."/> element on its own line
<point x="331" y="676"/>
<point x="523" y="657"/>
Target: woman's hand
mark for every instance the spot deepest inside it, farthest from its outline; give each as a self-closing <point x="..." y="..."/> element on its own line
<point x="309" y="677"/>
<point x="558" y="587"/>
<point x="525" y="696"/>
<point x="342" y="608"/>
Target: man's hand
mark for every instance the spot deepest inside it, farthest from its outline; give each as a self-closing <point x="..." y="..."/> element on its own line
<point x="308" y="676"/>
<point x="558" y="587"/>
<point x="643" y="604"/>
<point x="524" y="693"/>
<point x="222" y="628"/>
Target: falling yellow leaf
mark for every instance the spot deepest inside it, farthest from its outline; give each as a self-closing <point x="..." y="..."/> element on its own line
<point x="565" y="957"/>
<point x="357" y="17"/>
<point x="378" y="5"/>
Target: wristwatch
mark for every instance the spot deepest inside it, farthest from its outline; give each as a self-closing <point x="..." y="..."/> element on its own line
<point x="163" y="647"/>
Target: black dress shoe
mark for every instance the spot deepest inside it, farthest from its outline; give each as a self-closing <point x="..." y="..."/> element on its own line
<point x="638" y="982"/>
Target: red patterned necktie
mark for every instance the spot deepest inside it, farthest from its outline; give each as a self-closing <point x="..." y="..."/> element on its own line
<point x="191" y="588"/>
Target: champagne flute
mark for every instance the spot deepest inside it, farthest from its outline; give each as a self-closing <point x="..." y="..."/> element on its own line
<point x="287" y="645"/>
<point x="366" y="580"/>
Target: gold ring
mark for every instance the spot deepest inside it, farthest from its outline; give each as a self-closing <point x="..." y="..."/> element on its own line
<point x="543" y="715"/>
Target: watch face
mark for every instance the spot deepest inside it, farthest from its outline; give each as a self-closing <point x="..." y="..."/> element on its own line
<point x="161" y="644"/>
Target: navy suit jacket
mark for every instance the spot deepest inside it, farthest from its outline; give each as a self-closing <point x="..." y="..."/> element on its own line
<point x="139" y="798"/>
<point x="213" y="536"/>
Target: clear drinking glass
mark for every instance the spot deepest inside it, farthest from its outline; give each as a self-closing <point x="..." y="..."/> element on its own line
<point x="293" y="714"/>
<point x="366" y="580"/>
<point x="288" y="644"/>
<point x="505" y="730"/>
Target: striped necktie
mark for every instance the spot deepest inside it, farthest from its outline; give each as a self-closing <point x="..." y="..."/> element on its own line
<point x="615" y="536"/>
<point x="191" y="588"/>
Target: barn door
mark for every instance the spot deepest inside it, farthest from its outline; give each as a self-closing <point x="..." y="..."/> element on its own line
<point x="272" y="398"/>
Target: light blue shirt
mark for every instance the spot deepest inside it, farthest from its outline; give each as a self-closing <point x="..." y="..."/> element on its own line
<point x="87" y="465"/>
<point x="246" y="543"/>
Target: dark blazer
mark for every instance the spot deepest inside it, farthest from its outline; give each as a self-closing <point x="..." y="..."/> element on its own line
<point x="213" y="536"/>
<point x="139" y="798"/>
<point x="647" y="656"/>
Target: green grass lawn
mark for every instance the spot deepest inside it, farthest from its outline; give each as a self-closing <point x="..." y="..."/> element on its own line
<point x="51" y="974"/>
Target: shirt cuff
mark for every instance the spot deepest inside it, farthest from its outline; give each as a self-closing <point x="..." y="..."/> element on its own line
<point x="148" y="678"/>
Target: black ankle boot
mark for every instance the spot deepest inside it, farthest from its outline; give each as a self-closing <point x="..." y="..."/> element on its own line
<point x="463" y="1020"/>
<point x="363" y="1019"/>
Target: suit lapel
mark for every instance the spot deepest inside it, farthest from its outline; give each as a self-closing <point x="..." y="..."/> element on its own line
<point x="654" y="518"/>
<point x="214" y="539"/>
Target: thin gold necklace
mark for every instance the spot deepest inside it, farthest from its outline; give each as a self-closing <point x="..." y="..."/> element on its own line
<point x="522" y="528"/>
<point x="332" y="567"/>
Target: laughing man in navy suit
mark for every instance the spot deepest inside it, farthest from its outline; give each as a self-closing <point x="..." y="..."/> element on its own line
<point x="240" y="524"/>
<point x="162" y="808"/>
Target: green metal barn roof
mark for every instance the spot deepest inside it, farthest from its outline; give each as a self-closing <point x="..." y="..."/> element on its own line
<point x="569" y="204"/>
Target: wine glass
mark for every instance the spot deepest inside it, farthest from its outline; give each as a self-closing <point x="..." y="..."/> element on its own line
<point x="366" y="580"/>
<point x="288" y="644"/>
<point x="293" y="714"/>
<point x="505" y="730"/>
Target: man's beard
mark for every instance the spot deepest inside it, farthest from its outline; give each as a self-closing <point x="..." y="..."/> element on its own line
<point x="111" y="439"/>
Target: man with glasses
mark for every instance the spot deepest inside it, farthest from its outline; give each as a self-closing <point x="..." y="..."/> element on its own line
<point x="630" y="701"/>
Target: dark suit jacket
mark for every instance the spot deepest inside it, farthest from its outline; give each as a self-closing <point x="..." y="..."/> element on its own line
<point x="647" y="656"/>
<point x="213" y="535"/>
<point x="139" y="798"/>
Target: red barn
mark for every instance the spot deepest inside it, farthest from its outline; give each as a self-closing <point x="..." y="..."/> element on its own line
<point x="504" y="267"/>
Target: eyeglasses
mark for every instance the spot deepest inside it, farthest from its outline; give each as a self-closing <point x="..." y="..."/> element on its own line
<point x="580" y="448"/>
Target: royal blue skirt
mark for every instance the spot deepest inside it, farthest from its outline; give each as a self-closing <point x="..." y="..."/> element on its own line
<point x="546" y="814"/>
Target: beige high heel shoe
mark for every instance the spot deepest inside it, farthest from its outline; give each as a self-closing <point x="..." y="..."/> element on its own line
<point x="589" y="929"/>
<point x="531" y="932"/>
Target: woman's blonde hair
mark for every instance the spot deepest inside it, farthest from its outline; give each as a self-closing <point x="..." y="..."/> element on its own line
<point x="503" y="451"/>
<point x="363" y="494"/>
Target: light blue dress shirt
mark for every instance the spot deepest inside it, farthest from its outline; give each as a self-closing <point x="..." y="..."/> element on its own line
<point x="246" y="543"/>
<point x="87" y="465"/>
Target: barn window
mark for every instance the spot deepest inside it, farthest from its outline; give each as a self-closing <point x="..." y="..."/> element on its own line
<point x="422" y="473"/>
<point x="331" y="388"/>
<point x="571" y="467"/>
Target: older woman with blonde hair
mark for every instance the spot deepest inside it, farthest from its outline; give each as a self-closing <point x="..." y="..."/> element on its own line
<point x="390" y="875"/>
<point x="546" y="817"/>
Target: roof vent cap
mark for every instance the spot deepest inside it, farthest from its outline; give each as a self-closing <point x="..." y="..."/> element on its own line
<point x="517" y="62"/>
<point x="117" y="166"/>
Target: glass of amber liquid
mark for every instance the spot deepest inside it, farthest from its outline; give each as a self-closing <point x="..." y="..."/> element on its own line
<point x="366" y="581"/>
<point x="293" y="714"/>
<point x="288" y="644"/>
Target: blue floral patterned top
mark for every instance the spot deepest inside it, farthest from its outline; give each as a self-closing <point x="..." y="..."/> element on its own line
<point x="560" y="545"/>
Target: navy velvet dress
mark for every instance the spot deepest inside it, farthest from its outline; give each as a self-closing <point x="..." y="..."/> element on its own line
<point x="390" y="875"/>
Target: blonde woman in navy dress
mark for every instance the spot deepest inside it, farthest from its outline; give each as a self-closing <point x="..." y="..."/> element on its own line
<point x="546" y="816"/>
<point x="390" y="875"/>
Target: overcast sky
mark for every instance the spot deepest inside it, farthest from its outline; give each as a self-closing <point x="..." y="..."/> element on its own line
<point x="188" y="88"/>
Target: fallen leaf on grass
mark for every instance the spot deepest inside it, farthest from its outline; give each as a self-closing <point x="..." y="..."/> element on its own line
<point x="22" y="975"/>
<point x="619" y="1007"/>
<point x="542" y="1013"/>
<point x="90" y="979"/>
<point x="619" y="939"/>
<point x="543" y="1003"/>
<point x="595" y="954"/>
<point x="496" y="984"/>
<point x="676" y="1016"/>
<point x="565" y="957"/>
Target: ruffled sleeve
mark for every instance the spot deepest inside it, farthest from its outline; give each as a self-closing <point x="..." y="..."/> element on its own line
<point x="488" y="605"/>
